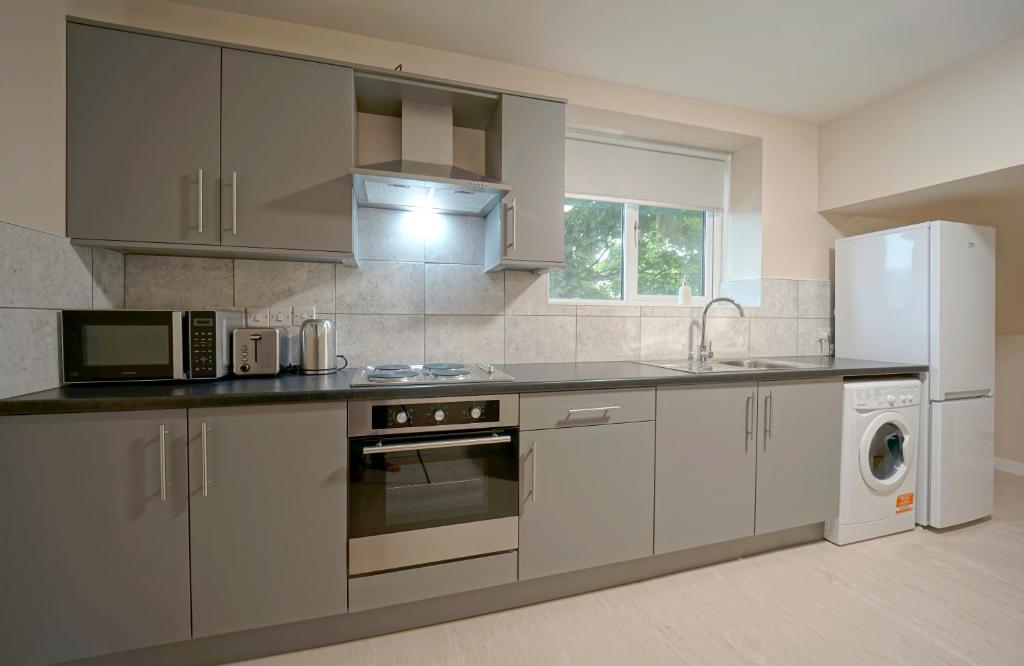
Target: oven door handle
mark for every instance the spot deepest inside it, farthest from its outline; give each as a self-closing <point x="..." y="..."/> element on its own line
<point x="439" y="444"/>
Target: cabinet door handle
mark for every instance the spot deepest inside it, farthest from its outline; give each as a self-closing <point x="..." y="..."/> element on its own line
<point x="769" y="407"/>
<point x="533" y="479"/>
<point x="163" y="462"/>
<point x="532" y="456"/>
<point x="750" y="421"/>
<point x="200" y="173"/>
<point x="206" y="471"/>
<point x="234" y="202"/>
<point x="512" y="223"/>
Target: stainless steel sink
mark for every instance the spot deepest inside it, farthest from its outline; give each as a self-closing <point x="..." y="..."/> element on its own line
<point x="693" y="367"/>
<point x="762" y="364"/>
<point x="729" y="365"/>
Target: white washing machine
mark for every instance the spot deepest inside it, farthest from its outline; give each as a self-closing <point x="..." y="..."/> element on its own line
<point x="878" y="480"/>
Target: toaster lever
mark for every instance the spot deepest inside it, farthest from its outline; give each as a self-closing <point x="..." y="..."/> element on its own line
<point x="256" y="337"/>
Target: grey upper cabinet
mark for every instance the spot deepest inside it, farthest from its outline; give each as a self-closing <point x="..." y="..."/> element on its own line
<point x="588" y="497"/>
<point x="143" y="132"/>
<point x="288" y="146"/>
<point x="94" y="534"/>
<point x="706" y="465"/>
<point x="798" y="453"/>
<point x="268" y="515"/>
<point x="527" y="230"/>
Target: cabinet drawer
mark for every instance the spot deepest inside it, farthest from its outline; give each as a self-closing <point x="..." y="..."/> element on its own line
<point x="399" y="587"/>
<point x="564" y="409"/>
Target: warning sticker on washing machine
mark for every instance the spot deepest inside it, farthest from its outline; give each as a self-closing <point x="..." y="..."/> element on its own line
<point x="905" y="503"/>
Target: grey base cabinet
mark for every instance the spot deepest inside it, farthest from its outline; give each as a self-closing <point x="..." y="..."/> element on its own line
<point x="735" y="460"/>
<point x="799" y="446"/>
<point x="436" y="580"/>
<point x="268" y="515"/>
<point x="707" y="463"/>
<point x="93" y="534"/>
<point x="588" y="497"/>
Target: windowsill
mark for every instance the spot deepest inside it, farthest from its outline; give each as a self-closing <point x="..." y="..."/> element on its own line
<point x="695" y="303"/>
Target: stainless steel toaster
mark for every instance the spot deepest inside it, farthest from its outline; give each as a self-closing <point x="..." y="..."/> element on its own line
<point x="259" y="351"/>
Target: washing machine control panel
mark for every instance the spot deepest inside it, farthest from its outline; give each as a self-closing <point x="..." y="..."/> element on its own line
<point x="892" y="395"/>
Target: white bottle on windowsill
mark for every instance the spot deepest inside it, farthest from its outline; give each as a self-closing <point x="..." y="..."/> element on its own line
<point x="685" y="294"/>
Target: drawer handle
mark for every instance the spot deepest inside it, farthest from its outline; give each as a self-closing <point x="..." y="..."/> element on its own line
<point x="584" y="410"/>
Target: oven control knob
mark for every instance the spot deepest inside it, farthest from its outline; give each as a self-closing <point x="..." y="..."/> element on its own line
<point x="439" y="414"/>
<point x="475" y="411"/>
<point x="401" y="417"/>
<point x="244" y="367"/>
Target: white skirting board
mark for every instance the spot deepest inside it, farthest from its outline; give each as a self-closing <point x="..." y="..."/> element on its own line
<point x="1011" y="466"/>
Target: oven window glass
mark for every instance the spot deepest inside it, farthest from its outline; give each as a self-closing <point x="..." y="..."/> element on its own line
<point x="395" y="492"/>
<point x="125" y="345"/>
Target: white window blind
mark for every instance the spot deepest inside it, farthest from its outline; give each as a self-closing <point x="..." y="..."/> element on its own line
<point x="605" y="169"/>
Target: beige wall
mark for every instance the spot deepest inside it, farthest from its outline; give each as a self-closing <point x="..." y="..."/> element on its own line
<point x="796" y="238"/>
<point x="959" y="123"/>
<point x="742" y="258"/>
<point x="1009" y="397"/>
<point x="956" y="125"/>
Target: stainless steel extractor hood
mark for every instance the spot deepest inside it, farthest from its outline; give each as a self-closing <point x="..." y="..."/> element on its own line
<point x="425" y="179"/>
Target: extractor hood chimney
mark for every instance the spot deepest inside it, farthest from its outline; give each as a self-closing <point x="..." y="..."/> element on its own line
<point x="425" y="179"/>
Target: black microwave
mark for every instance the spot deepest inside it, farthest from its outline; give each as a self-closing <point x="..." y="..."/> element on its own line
<point x="146" y="345"/>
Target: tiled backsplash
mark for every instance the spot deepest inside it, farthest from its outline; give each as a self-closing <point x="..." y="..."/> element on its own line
<point x="41" y="274"/>
<point x="420" y="295"/>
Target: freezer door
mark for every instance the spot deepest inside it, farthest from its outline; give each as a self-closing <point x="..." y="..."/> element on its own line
<point x="962" y="461"/>
<point x="963" y="319"/>
<point x="882" y="296"/>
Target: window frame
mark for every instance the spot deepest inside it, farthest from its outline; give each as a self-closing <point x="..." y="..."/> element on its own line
<point x="713" y="229"/>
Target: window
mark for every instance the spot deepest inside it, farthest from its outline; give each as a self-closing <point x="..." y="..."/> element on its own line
<point x="631" y="252"/>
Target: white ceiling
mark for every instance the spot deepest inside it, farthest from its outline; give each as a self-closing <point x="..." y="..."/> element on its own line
<point x="808" y="59"/>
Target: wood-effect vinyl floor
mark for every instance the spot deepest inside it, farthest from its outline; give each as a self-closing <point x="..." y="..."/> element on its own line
<point x="921" y="597"/>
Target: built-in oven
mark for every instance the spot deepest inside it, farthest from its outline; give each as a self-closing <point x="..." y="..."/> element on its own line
<point x="146" y="345"/>
<point x="432" y="480"/>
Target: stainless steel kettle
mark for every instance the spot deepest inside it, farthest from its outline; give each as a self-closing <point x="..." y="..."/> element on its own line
<point x="319" y="344"/>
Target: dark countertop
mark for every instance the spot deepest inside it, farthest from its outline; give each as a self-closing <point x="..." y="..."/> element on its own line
<point x="529" y="377"/>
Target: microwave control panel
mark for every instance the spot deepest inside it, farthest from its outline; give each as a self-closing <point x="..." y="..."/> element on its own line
<point x="441" y="413"/>
<point x="202" y="333"/>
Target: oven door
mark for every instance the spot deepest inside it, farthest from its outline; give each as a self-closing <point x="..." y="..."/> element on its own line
<point x="122" y="345"/>
<point x="415" y="500"/>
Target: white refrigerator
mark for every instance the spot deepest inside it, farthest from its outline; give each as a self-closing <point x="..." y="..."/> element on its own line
<point x="926" y="294"/>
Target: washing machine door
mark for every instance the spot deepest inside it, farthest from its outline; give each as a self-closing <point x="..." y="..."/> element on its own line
<point x="886" y="451"/>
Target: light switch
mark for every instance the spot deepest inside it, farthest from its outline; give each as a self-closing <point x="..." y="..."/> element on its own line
<point x="257" y="317"/>
<point x="280" y="316"/>
<point x="301" y="313"/>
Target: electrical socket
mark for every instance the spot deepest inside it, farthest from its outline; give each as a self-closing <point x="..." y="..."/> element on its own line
<point x="301" y="313"/>
<point x="280" y="315"/>
<point x="257" y="317"/>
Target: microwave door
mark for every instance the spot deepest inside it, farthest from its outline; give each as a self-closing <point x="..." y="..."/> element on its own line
<point x="122" y="345"/>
